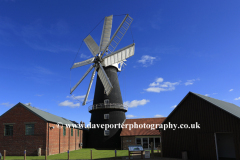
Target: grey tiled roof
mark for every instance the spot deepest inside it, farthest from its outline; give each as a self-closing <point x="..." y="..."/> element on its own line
<point x="47" y="116"/>
<point x="229" y="107"/>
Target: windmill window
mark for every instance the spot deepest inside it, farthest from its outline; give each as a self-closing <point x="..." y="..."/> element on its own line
<point x="71" y="131"/>
<point x="106" y="101"/>
<point x="106" y="116"/>
<point x="29" y="129"/>
<point x="106" y="132"/>
<point x="8" y="130"/>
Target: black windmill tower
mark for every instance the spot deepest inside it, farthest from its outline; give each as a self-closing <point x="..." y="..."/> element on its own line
<point x="107" y="105"/>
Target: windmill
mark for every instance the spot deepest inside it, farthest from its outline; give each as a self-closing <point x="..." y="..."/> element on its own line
<point x="107" y="105"/>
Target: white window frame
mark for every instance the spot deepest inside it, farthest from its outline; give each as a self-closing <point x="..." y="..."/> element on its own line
<point x="106" y="132"/>
<point x="106" y="101"/>
<point x="148" y="140"/>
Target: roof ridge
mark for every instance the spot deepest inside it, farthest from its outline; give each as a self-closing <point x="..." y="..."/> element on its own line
<point x="214" y="98"/>
<point x="47" y="115"/>
<point x="226" y="106"/>
<point x="37" y="109"/>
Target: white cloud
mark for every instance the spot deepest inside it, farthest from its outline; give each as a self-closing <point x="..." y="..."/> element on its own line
<point x="153" y="84"/>
<point x="154" y="89"/>
<point x="237" y="98"/>
<point x="29" y="104"/>
<point x="84" y="56"/>
<point x="136" y="103"/>
<point x="174" y="106"/>
<point x="39" y="95"/>
<point x="230" y="90"/>
<point x="147" y="60"/>
<point x="67" y="103"/>
<point x="73" y="102"/>
<point x="7" y="104"/>
<point x="158" y="116"/>
<point x="159" y="80"/>
<point x="156" y="83"/>
<point x="207" y="95"/>
<point x="159" y="86"/>
<point x="130" y="116"/>
<point x="191" y="81"/>
<point x="76" y="97"/>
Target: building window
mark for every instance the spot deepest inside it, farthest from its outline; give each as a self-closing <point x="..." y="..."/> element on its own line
<point x="29" y="129"/>
<point x="78" y="132"/>
<point x="138" y="141"/>
<point x="146" y="141"/>
<point x="71" y="131"/>
<point x="8" y="130"/>
<point x="106" y="116"/>
<point x="106" y="132"/>
<point x="64" y="130"/>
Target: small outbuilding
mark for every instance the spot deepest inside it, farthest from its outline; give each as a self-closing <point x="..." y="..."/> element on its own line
<point x="141" y="131"/>
<point x="24" y="127"/>
<point x="207" y="129"/>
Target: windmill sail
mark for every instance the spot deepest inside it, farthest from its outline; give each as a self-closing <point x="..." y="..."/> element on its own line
<point x="106" y="32"/>
<point x="112" y="58"/>
<point x="92" y="45"/>
<point x="91" y="67"/>
<point x="83" y="63"/>
<point x="119" y="56"/>
<point x="89" y="87"/>
<point x="118" y="35"/>
<point x="104" y="79"/>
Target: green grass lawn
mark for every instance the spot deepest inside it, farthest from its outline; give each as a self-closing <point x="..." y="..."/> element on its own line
<point x="80" y="154"/>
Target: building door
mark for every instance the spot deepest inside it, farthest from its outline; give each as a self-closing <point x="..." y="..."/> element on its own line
<point x="206" y="147"/>
<point x="157" y="142"/>
<point x="225" y="146"/>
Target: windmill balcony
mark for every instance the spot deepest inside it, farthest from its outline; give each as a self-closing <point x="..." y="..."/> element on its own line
<point x="108" y="106"/>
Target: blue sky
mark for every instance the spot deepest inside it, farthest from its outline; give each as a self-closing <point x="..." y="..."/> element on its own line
<point x="181" y="46"/>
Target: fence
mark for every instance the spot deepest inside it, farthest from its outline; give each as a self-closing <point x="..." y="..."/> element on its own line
<point x="25" y="154"/>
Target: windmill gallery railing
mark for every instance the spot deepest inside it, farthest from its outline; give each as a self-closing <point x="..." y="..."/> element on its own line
<point x="110" y="105"/>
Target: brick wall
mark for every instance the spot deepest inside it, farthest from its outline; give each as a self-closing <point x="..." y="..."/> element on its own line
<point x="44" y="135"/>
<point x="53" y="147"/>
<point x="59" y="143"/>
<point x="18" y="142"/>
<point x="126" y="141"/>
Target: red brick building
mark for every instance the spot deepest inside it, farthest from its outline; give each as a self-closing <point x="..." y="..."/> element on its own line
<point x="140" y="134"/>
<point x="27" y="128"/>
